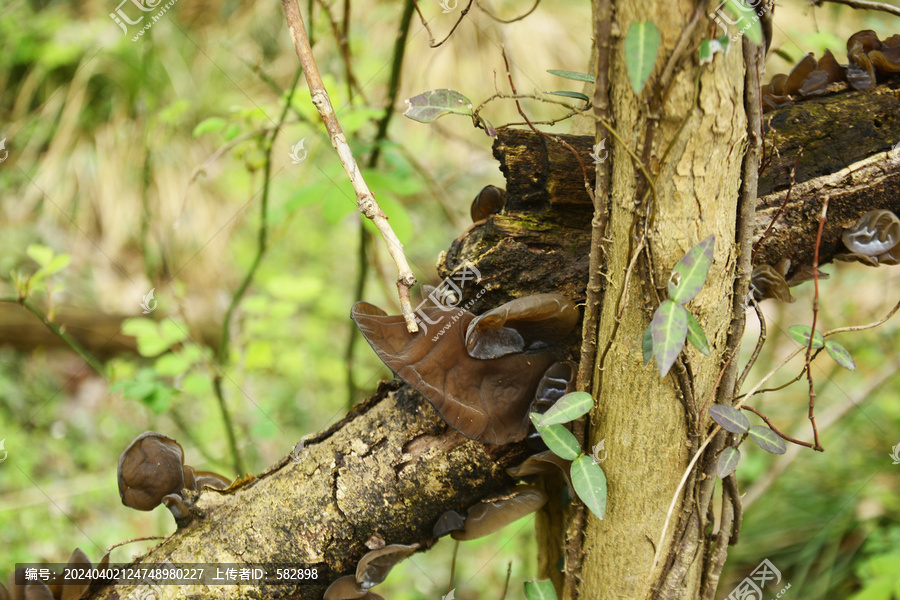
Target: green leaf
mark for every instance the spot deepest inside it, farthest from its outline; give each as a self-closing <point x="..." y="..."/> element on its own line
<point x="209" y="125"/>
<point x="728" y="462"/>
<point x="540" y="590"/>
<point x="730" y="418"/>
<point x="428" y="106"/>
<point x="647" y="345"/>
<point x="57" y="263"/>
<point x="572" y="75"/>
<point x="840" y="355"/>
<point x="669" y="329"/>
<point x="641" y="45"/>
<point x="696" y="336"/>
<point x="589" y="482"/>
<point x="800" y="333"/>
<point x="767" y="439"/>
<point x="568" y="408"/>
<point x="559" y="439"/>
<point x="232" y="132"/>
<point x="42" y="255"/>
<point x="709" y="48"/>
<point x="690" y="273"/>
<point x="747" y="21"/>
<point x="568" y="94"/>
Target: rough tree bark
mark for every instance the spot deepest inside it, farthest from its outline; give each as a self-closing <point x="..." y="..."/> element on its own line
<point x="391" y="467"/>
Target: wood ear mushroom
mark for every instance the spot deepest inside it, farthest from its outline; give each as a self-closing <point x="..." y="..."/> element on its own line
<point x="485" y="399"/>
<point x="873" y="240"/>
<point x="487" y="517"/>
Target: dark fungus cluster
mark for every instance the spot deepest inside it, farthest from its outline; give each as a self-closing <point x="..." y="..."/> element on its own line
<point x="152" y="472"/>
<point x="57" y="587"/>
<point x="372" y="569"/>
<point x="870" y="61"/>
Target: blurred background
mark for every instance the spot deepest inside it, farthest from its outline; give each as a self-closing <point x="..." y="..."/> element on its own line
<point x="143" y="165"/>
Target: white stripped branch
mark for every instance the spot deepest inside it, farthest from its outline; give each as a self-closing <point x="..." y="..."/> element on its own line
<point x="365" y="201"/>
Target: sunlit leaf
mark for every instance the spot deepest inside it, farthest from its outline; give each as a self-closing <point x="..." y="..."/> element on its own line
<point x="730" y="418"/>
<point x="767" y="439"/>
<point x="568" y="408"/>
<point x="559" y="439"/>
<point x="840" y="355"/>
<point x="669" y="329"/>
<point x="690" y="273"/>
<point x="800" y="333"/>
<point x="728" y="462"/>
<point x="42" y="255"/>
<point x="428" y="106"/>
<point x="696" y="336"/>
<point x="540" y="590"/>
<point x="572" y="75"/>
<point x="641" y="46"/>
<point x="589" y="482"/>
<point x="209" y="125"/>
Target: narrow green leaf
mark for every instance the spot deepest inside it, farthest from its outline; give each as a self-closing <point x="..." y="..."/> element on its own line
<point x="428" y="106"/>
<point x="696" y="336"/>
<point x="641" y="46"/>
<point x="669" y="329"/>
<point x="840" y="355"/>
<point x="42" y="255"/>
<point x="589" y="482"/>
<point x="209" y="125"/>
<point x="730" y="418"/>
<point x="647" y="345"/>
<point x="747" y="19"/>
<point x="559" y="439"/>
<point x="540" y="590"/>
<point x="690" y="273"/>
<point x="57" y="263"/>
<point x="767" y="439"/>
<point x="800" y="333"/>
<point x="568" y="408"/>
<point x="728" y="462"/>
<point x="572" y="75"/>
<point x="568" y="94"/>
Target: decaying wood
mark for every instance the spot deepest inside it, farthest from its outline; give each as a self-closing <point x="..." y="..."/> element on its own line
<point x="392" y="467"/>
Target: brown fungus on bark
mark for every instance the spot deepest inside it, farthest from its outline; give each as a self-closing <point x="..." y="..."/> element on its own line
<point x="798" y="75"/>
<point x="487" y="517"/>
<point x="768" y="282"/>
<point x="448" y="522"/>
<point x="150" y="468"/>
<point x="542" y="463"/>
<point x="374" y="566"/>
<point x="873" y="240"/>
<point x="557" y="381"/>
<point x="489" y="201"/>
<point x="59" y="586"/>
<point x="484" y="399"/>
<point x="861" y="71"/>
<point x="527" y="323"/>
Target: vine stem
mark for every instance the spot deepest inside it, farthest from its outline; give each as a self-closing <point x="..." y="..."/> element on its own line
<point x="864" y="5"/>
<point x="58" y="332"/>
<point x="365" y="201"/>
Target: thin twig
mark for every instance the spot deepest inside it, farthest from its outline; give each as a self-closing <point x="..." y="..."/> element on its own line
<point x="775" y="429"/>
<point x="71" y="342"/>
<point x="812" y="333"/>
<point x="428" y="29"/>
<point x="340" y="35"/>
<point x="452" y="566"/>
<point x="864" y="5"/>
<point x="514" y="19"/>
<point x="140" y="539"/>
<point x="757" y="349"/>
<point x="365" y="201"/>
<point x="787" y="198"/>
<point x="506" y="583"/>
